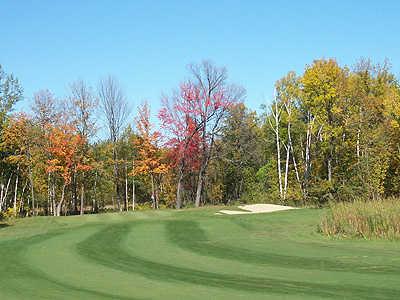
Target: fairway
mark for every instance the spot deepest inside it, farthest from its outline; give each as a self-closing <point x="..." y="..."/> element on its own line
<point x="191" y="254"/>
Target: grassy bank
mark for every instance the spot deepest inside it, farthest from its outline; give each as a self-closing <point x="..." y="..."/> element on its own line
<point x="364" y="219"/>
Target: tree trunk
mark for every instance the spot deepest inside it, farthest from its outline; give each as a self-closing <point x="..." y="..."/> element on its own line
<point x="4" y="193"/>
<point x="178" y="200"/>
<point x="153" y="196"/>
<point x="199" y="189"/>
<point x="307" y="171"/>
<point x="330" y="159"/>
<point x="15" y="192"/>
<point x="95" y="193"/>
<point x="32" y="191"/>
<point x="49" y="206"/>
<point x="126" y="188"/>
<point x="133" y="193"/>
<point x="22" y="202"/>
<point x="276" y="114"/>
<point x="75" y="193"/>
<point x="133" y="184"/>
<point x="359" y="135"/>
<point x="329" y="169"/>
<point x="116" y="185"/>
<point x="59" y="204"/>
<point x="53" y="198"/>
<point x="295" y="167"/>
<point x="82" y="197"/>
<point x="285" y="186"/>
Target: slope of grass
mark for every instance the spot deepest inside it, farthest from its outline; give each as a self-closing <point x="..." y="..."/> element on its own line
<point x="191" y="255"/>
<point x="363" y="219"/>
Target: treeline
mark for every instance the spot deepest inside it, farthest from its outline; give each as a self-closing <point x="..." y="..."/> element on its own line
<point x="331" y="133"/>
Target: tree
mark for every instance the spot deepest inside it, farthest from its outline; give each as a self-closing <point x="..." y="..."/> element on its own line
<point x="149" y="160"/>
<point x="276" y="111"/>
<point x="82" y="106"/>
<point x="65" y="157"/>
<point x="18" y="142"/>
<point x="287" y="94"/>
<point x="323" y="90"/>
<point x="195" y="116"/>
<point x="115" y="110"/>
<point x="211" y="99"/>
<point x="240" y="152"/>
<point x="182" y="135"/>
<point x="10" y="93"/>
<point x="45" y="108"/>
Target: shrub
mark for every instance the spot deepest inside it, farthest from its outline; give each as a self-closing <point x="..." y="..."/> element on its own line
<point x="363" y="219"/>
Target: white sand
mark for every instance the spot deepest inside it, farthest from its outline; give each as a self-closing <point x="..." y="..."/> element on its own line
<point x="255" y="209"/>
<point x="232" y="212"/>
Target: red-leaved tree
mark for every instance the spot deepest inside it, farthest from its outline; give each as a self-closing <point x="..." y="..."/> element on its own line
<point x="194" y="116"/>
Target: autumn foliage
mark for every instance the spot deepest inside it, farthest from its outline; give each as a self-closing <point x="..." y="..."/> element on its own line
<point x="64" y="148"/>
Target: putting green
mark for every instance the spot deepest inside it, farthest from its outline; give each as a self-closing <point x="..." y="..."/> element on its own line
<point x="191" y="255"/>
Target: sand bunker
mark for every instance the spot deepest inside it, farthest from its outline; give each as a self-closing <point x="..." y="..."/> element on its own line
<point x="255" y="209"/>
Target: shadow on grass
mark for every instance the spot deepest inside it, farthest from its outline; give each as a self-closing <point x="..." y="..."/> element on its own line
<point x="3" y="225"/>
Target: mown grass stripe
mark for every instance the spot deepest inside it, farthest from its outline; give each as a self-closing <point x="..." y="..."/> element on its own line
<point x="105" y="248"/>
<point x="190" y="236"/>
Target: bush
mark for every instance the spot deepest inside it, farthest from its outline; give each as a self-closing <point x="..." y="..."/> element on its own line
<point x="363" y="219"/>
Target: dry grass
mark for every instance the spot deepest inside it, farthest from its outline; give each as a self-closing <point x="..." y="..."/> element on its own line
<point x="371" y="219"/>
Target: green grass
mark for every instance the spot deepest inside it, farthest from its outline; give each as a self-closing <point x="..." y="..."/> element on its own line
<point x="191" y="254"/>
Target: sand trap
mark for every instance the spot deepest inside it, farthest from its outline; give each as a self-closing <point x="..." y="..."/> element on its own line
<point x="232" y="212"/>
<point x="255" y="209"/>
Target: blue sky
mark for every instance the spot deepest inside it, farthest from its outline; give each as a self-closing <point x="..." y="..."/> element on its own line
<point x="148" y="44"/>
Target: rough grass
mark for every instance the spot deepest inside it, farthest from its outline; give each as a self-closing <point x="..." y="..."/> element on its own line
<point x="363" y="219"/>
<point x="191" y="254"/>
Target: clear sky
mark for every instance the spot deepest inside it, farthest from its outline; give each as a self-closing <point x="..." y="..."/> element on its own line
<point x="148" y="44"/>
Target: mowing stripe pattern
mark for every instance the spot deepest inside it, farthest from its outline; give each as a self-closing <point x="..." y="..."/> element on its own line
<point x="193" y="258"/>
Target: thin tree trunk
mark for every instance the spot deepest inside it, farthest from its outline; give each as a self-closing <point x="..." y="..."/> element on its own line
<point x="285" y="186"/>
<point x="178" y="203"/>
<point x="276" y="114"/>
<point x="126" y="188"/>
<point x="308" y="152"/>
<point x="329" y="169"/>
<point x="22" y="202"/>
<point x="82" y="197"/>
<point x="359" y="135"/>
<point x="95" y="193"/>
<point x="15" y="192"/>
<point x="116" y="185"/>
<point x="49" y="206"/>
<point x="133" y="184"/>
<point x="53" y="198"/>
<point x="1" y="196"/>
<point x="59" y="204"/>
<point x="295" y="166"/>
<point x="199" y="188"/>
<point x="133" y="193"/>
<point x="288" y="146"/>
<point x="4" y="193"/>
<point x="75" y="193"/>
<point x="32" y="191"/>
<point x="153" y="197"/>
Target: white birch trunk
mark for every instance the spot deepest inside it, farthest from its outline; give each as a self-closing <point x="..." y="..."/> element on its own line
<point x="275" y="127"/>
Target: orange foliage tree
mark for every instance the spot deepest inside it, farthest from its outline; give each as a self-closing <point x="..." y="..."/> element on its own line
<point x="150" y="158"/>
<point x="65" y="156"/>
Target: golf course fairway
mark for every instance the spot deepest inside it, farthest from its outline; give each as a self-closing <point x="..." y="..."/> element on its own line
<point x="192" y="254"/>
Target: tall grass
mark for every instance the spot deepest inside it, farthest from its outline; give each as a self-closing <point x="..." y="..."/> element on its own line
<point x="363" y="219"/>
